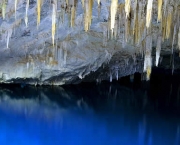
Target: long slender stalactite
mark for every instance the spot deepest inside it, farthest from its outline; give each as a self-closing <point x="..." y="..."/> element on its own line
<point x="159" y="10"/>
<point x="15" y="7"/>
<point x="88" y="14"/>
<point x="4" y="9"/>
<point x="127" y="7"/>
<point x="39" y="2"/>
<point x="26" y="15"/>
<point x="54" y="6"/>
<point x="114" y="5"/>
<point x="149" y="13"/>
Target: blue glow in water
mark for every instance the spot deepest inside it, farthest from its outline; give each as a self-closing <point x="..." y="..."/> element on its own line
<point x="100" y="115"/>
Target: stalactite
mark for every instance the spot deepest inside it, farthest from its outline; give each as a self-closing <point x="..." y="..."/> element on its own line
<point x="127" y="7"/>
<point x="179" y="40"/>
<point x="169" y="22"/>
<point x="117" y="75"/>
<point x="4" y="9"/>
<point x="39" y="3"/>
<point x="149" y="13"/>
<point x="54" y="5"/>
<point x="114" y="5"/>
<point x="163" y="27"/>
<point x="15" y="7"/>
<point x="148" y="57"/>
<point x="65" y="56"/>
<point x="26" y="15"/>
<point x="98" y="1"/>
<point x="159" y="10"/>
<point x="67" y="2"/>
<point x="137" y="26"/>
<point x="174" y="35"/>
<point x="82" y="1"/>
<point x="135" y="17"/>
<point x="110" y="76"/>
<point x="99" y="9"/>
<point x="73" y="14"/>
<point x="9" y="33"/>
<point x="88" y="14"/>
<point x="165" y="5"/>
<point x="105" y="36"/>
<point x="127" y="29"/>
<point x="158" y="49"/>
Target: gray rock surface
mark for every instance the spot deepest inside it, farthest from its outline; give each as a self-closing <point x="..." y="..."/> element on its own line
<point x="77" y="55"/>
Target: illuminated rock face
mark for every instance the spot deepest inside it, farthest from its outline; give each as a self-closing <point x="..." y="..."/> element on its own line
<point x="67" y="41"/>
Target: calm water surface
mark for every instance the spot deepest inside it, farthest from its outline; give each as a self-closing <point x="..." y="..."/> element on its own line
<point x="90" y="114"/>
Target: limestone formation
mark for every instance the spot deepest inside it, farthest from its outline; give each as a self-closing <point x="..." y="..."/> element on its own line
<point x="85" y="40"/>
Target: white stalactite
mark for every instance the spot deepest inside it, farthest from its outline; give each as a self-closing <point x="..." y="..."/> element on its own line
<point x="114" y="5"/>
<point x="179" y="39"/>
<point x="26" y="15"/>
<point x="4" y="9"/>
<point x="15" y="7"/>
<point x="127" y="7"/>
<point x="158" y="49"/>
<point x="9" y="34"/>
<point x="149" y="13"/>
<point x="54" y="5"/>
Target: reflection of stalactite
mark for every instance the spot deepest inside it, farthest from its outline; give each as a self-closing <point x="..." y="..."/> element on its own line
<point x="149" y="13"/>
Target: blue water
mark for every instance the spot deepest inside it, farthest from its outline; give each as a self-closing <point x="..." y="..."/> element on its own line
<point x="105" y="114"/>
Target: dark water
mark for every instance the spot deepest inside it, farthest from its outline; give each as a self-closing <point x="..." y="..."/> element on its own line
<point x="121" y="113"/>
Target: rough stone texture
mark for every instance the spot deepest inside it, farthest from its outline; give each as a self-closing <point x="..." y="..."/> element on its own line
<point x="77" y="55"/>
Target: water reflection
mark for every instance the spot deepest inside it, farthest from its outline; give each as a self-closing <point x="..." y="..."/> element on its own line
<point x="107" y="114"/>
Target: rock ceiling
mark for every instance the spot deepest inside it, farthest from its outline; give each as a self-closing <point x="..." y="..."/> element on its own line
<point x="56" y="41"/>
